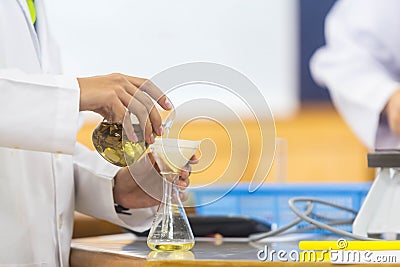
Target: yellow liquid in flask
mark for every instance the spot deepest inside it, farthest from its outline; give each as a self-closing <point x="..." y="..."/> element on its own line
<point x="171" y="246"/>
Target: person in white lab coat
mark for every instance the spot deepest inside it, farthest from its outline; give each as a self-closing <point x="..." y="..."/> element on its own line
<point x="360" y="65"/>
<point x="44" y="173"/>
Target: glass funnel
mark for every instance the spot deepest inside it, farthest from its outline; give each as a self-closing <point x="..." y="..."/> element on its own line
<point x="171" y="229"/>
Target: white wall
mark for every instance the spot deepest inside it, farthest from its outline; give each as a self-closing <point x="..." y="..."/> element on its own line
<point x="142" y="38"/>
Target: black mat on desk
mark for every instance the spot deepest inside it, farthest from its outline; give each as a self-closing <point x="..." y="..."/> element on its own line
<point x="227" y="226"/>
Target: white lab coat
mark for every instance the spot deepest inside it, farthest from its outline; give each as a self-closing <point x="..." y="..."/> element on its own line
<point x="44" y="175"/>
<point x="360" y="65"/>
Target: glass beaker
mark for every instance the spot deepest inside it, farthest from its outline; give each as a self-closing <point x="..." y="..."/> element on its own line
<point x="112" y="143"/>
<point x="119" y="148"/>
<point x="171" y="229"/>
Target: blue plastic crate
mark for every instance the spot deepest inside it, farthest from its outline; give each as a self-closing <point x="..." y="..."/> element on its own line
<point x="270" y="202"/>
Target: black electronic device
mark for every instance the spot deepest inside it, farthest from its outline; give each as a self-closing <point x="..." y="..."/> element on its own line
<point x="227" y="226"/>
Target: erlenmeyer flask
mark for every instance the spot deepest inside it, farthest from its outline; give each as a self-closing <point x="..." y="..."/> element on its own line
<point x="171" y="229"/>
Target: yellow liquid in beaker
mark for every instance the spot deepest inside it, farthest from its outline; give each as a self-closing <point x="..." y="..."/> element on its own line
<point x="171" y="246"/>
<point x="111" y="142"/>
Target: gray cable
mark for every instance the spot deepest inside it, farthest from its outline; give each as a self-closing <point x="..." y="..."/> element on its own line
<point x="322" y="217"/>
<point x="305" y="216"/>
<point x="320" y="224"/>
<point x="313" y="227"/>
<point x="259" y="236"/>
<point x="282" y="231"/>
<point x="256" y="243"/>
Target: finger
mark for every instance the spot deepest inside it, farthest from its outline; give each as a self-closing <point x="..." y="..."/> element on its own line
<point x="131" y="104"/>
<point x="142" y="114"/>
<point x="136" y="81"/>
<point x="154" y="116"/>
<point x="128" y="128"/>
<point x="118" y="111"/>
<point x="193" y="160"/>
<point x="152" y="90"/>
<point x="184" y="174"/>
<point x="129" y="87"/>
<point x="182" y="184"/>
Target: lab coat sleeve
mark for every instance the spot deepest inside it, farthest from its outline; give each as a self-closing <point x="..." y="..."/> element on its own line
<point x="94" y="192"/>
<point x="39" y="112"/>
<point x="357" y="64"/>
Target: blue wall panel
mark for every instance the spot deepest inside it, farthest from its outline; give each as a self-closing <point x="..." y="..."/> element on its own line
<point x="312" y="16"/>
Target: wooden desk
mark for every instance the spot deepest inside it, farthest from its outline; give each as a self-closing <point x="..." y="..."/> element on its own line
<point x="126" y="250"/>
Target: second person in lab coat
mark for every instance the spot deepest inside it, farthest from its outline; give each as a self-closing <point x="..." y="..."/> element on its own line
<point x="360" y="65"/>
